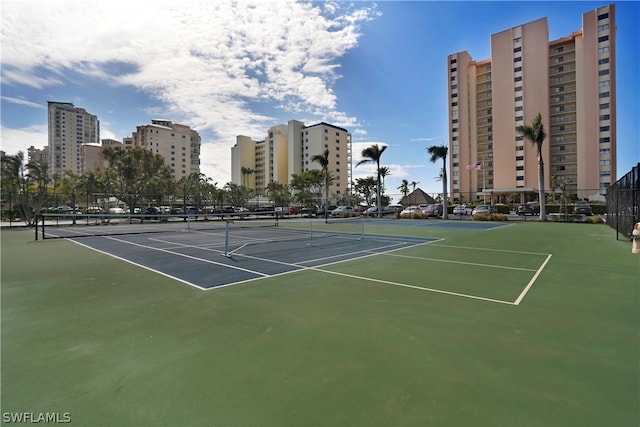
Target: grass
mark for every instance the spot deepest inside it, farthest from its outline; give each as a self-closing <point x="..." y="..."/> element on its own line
<point x="113" y="344"/>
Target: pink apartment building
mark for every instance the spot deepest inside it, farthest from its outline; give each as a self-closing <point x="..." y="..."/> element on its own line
<point x="569" y="81"/>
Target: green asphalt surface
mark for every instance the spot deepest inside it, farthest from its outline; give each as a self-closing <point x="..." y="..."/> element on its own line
<point x="112" y="344"/>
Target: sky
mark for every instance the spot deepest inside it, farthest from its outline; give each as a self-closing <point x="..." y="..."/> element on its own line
<point x="229" y="68"/>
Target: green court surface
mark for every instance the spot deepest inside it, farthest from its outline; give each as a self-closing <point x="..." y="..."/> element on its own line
<point x="530" y="324"/>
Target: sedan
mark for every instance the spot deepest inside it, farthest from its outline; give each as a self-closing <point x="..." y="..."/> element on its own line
<point x="462" y="210"/>
<point x="482" y="210"/>
<point x="582" y="208"/>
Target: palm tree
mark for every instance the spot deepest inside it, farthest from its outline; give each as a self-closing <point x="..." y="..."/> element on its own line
<point x="536" y="135"/>
<point x="413" y="184"/>
<point x="323" y="160"/>
<point x="372" y="155"/>
<point x="245" y="171"/>
<point x="384" y="172"/>
<point x="440" y="152"/>
<point x="404" y="188"/>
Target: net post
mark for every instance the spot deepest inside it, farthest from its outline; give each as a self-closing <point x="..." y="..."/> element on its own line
<point x="226" y="240"/>
<point x="310" y="233"/>
<point x="362" y="229"/>
<point x="36" y="227"/>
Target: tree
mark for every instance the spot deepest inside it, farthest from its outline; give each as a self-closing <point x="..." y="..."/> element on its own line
<point x="307" y="187"/>
<point x="413" y="184"/>
<point x="278" y="193"/>
<point x="38" y="175"/>
<point x="384" y="172"/>
<point x="366" y="187"/>
<point x="372" y="155"/>
<point x="536" y="135"/>
<point x="440" y="152"/>
<point x="132" y="173"/>
<point x="245" y="175"/>
<point x="323" y="160"/>
<point x="12" y="179"/>
<point x="404" y="188"/>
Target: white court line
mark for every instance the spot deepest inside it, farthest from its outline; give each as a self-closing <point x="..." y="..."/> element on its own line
<point x="463" y="262"/>
<point x="531" y="282"/>
<point x="404" y="285"/>
<point x="317" y="268"/>
<point x="140" y="265"/>
<point x="257" y="273"/>
<point x="490" y="250"/>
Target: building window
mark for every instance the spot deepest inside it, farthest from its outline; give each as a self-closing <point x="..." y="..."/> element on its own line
<point x="453" y="61"/>
<point x="518" y="59"/>
<point x="604" y="128"/>
<point x="604" y="106"/>
<point x="605" y="139"/>
<point x="515" y="70"/>
<point x="517" y="79"/>
<point x="519" y="158"/>
<point x="517" y="49"/>
<point x="603" y="95"/>
<point x="603" y="61"/>
<point x="453" y="104"/>
<point x="603" y="39"/>
<point x="605" y="117"/>
<point x="453" y="87"/>
<point x="454" y="69"/>
<point x="603" y="72"/>
<point x="605" y="162"/>
<point x="605" y="151"/>
<point x="517" y="40"/>
<point x="518" y="89"/>
<point x="603" y="83"/>
<point x="603" y="16"/>
<point x="603" y="49"/>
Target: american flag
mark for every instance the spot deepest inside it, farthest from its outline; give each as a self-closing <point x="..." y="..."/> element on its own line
<point x="475" y="167"/>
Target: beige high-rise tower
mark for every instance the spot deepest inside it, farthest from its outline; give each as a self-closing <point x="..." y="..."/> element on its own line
<point x="569" y="81"/>
<point x="69" y="128"/>
<point x="288" y="149"/>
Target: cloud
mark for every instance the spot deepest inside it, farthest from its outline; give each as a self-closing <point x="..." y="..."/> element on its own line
<point x="14" y="140"/>
<point x="24" y="102"/>
<point x="216" y="66"/>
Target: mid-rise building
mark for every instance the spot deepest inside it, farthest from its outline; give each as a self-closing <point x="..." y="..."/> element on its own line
<point x="40" y="155"/>
<point x="178" y="144"/>
<point x="69" y="127"/>
<point x="289" y="149"/>
<point x="570" y="82"/>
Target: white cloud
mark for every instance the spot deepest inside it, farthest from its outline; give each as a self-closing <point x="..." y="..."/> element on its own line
<point x="211" y="64"/>
<point x="14" y="140"/>
<point x="21" y="101"/>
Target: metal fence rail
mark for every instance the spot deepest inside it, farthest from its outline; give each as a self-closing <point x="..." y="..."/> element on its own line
<point x="623" y="203"/>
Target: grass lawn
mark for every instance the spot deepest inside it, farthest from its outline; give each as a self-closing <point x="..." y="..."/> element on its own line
<point x="112" y="344"/>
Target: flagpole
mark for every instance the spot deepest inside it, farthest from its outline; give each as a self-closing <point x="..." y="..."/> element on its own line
<point x="484" y="186"/>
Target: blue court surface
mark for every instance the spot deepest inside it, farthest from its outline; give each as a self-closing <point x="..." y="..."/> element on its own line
<point x="209" y="259"/>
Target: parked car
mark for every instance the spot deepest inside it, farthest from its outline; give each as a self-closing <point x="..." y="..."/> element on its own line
<point x="482" y="210"/>
<point x="462" y="210"/>
<point x="525" y="210"/>
<point x="151" y="213"/>
<point x="433" y="210"/>
<point x="342" y="210"/>
<point x="330" y="208"/>
<point x="409" y="210"/>
<point x="116" y="210"/>
<point x="582" y="208"/>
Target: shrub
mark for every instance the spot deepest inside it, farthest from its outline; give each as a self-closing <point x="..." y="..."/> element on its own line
<point x="492" y="217"/>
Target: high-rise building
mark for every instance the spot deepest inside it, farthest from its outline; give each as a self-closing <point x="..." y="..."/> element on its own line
<point x="570" y="82"/>
<point x="289" y="149"/>
<point x="69" y="128"/>
<point x="178" y="144"/>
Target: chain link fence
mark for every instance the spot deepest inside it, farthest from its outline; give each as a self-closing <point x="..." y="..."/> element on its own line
<point x="623" y="203"/>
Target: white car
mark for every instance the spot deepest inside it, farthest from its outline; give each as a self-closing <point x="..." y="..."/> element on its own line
<point x="482" y="210"/>
<point x="342" y="210"/>
<point x="116" y="210"/>
<point x="410" y="210"/>
<point x="462" y="210"/>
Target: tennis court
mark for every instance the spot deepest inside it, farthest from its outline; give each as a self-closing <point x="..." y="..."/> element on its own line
<point x="346" y="324"/>
<point x="224" y="253"/>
